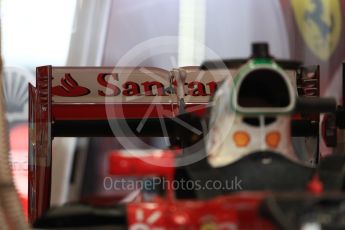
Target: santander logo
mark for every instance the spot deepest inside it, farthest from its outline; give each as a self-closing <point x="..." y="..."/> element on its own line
<point x="69" y="88"/>
<point x="112" y="85"/>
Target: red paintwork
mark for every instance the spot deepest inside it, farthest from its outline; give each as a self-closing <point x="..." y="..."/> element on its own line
<point x="159" y="164"/>
<point x="40" y="139"/>
<point x="118" y="111"/>
<point x="238" y="211"/>
<point x="99" y="111"/>
<point x="315" y="186"/>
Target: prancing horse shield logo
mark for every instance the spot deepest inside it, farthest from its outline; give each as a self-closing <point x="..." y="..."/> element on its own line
<point x="319" y="22"/>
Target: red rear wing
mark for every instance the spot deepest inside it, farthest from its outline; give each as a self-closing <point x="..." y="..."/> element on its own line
<point x="82" y="101"/>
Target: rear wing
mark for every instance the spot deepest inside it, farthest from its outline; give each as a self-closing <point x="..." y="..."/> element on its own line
<point x="101" y="101"/>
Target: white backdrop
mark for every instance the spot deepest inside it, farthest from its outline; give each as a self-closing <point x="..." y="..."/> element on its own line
<point x="230" y="26"/>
